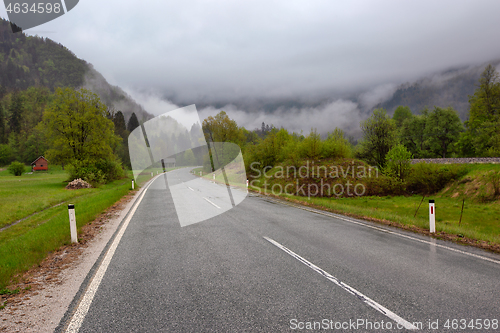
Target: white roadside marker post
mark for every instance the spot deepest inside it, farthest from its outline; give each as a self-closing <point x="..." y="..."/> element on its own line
<point x="200" y="173"/>
<point x="72" y="223"/>
<point x="247" y="185"/>
<point x="214" y="176"/>
<point x="151" y="174"/>
<point x="432" y="217"/>
<point x="132" y="184"/>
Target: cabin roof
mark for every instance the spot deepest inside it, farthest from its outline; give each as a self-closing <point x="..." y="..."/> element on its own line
<point x="34" y="162"/>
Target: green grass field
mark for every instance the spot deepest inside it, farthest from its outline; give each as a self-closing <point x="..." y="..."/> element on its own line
<point x="480" y="219"/>
<point x="46" y="226"/>
<point x="27" y="194"/>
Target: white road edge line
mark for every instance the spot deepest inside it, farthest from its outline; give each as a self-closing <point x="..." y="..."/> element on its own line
<point x="211" y="202"/>
<point x="394" y="233"/>
<point x="83" y="307"/>
<point x="347" y="288"/>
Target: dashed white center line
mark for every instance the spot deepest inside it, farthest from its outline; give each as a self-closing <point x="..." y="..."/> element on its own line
<point x="347" y="288"/>
<point x="212" y="203"/>
<point x="190" y="188"/>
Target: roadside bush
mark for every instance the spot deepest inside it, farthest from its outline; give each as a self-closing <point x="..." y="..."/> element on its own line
<point x="16" y="168"/>
<point x="494" y="179"/>
<point x="384" y="185"/>
<point x="430" y="178"/>
<point x="111" y="169"/>
<point x="95" y="172"/>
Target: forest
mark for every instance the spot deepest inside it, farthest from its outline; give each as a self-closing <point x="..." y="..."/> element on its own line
<point x="424" y="134"/>
<point x="40" y="82"/>
<point x="436" y="133"/>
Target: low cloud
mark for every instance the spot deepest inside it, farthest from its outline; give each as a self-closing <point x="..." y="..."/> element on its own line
<point x="340" y="113"/>
<point x="379" y="94"/>
<point x="343" y="114"/>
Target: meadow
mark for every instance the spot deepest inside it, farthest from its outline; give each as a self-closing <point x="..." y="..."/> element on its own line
<point x="35" y="216"/>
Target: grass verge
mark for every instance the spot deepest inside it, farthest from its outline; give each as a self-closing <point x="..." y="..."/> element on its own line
<point x="481" y="230"/>
<point x="26" y="244"/>
<point x="478" y="224"/>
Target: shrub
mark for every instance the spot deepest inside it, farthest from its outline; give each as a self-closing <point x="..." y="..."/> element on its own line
<point x="494" y="179"/>
<point x="95" y="172"/>
<point x="383" y="185"/>
<point x="430" y="178"/>
<point x="16" y="168"/>
<point x="398" y="162"/>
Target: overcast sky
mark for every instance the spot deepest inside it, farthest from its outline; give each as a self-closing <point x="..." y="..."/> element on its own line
<point x="240" y="52"/>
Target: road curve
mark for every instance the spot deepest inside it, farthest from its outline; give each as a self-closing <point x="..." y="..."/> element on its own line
<point x="265" y="266"/>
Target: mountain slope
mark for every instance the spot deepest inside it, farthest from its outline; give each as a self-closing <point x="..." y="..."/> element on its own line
<point x="36" y="61"/>
<point x="448" y="88"/>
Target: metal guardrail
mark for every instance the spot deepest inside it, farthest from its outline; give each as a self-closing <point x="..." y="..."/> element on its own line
<point x="462" y="160"/>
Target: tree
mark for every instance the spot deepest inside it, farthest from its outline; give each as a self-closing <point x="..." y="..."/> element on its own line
<point x="483" y="127"/>
<point x="311" y="147"/>
<point x="401" y="114"/>
<point x="398" y="162"/>
<point x="133" y="123"/>
<point x="16" y="111"/>
<point x="2" y="125"/>
<point x="120" y="125"/>
<point x="442" y="130"/>
<point x="219" y="130"/>
<point x="412" y="134"/>
<point x="379" y="136"/>
<point x="79" y="133"/>
<point x="222" y="129"/>
<point x="5" y="154"/>
<point x="189" y="158"/>
<point x="336" y="145"/>
<point x="122" y="150"/>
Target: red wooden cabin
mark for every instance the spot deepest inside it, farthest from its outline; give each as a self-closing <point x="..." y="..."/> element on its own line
<point x="40" y="163"/>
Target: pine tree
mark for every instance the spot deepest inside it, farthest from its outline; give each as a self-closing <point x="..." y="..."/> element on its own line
<point x="133" y="123"/>
<point x="120" y="125"/>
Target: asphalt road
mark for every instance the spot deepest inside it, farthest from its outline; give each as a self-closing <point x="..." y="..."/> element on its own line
<point x="265" y="266"/>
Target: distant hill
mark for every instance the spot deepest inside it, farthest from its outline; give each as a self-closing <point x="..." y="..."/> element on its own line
<point x="27" y="61"/>
<point x="447" y="88"/>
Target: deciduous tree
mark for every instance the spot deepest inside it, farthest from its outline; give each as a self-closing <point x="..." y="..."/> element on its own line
<point x="401" y="114"/>
<point x="483" y="127"/>
<point x="442" y="129"/>
<point x="379" y="136"/>
<point x="79" y="133"/>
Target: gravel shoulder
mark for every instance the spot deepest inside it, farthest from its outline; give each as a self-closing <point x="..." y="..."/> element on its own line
<point x="47" y="291"/>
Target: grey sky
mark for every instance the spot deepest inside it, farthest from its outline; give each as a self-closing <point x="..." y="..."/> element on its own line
<point x="230" y="51"/>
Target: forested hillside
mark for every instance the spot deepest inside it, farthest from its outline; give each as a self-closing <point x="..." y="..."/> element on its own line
<point x="449" y="88"/>
<point x="27" y="61"/>
<point x="36" y="61"/>
<point x="32" y="69"/>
